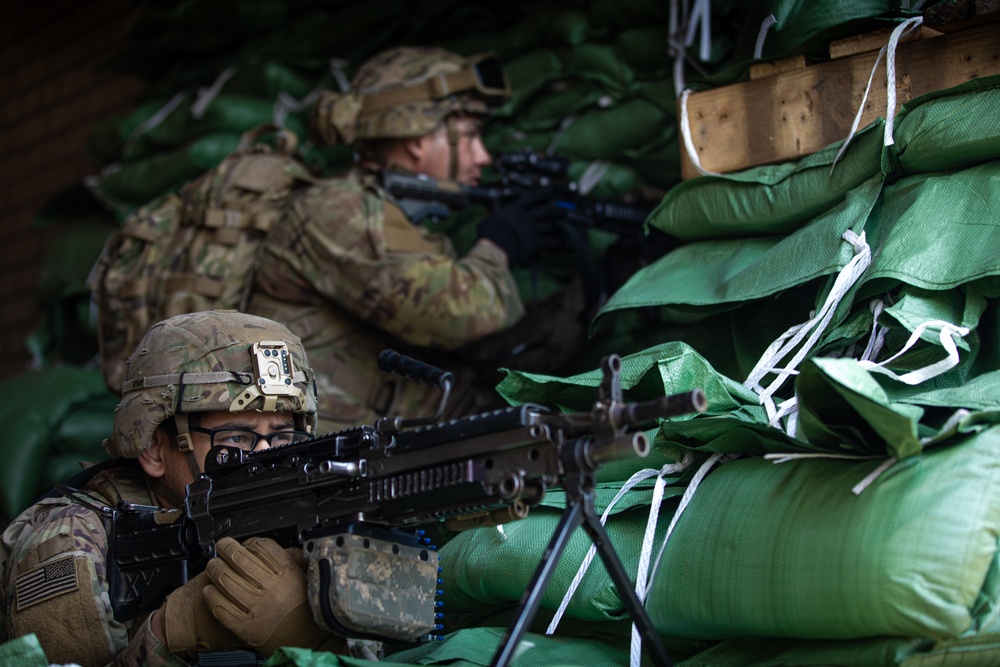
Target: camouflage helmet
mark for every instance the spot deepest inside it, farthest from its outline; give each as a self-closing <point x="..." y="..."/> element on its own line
<point x="407" y="92"/>
<point x="209" y="362"/>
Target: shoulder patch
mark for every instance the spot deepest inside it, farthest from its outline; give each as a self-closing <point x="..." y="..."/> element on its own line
<point x="46" y="582"/>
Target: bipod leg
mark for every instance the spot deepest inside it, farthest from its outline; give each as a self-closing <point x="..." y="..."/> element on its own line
<point x="616" y="570"/>
<point x="572" y="518"/>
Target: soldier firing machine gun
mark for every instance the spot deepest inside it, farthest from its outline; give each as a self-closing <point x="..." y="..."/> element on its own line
<point x="351" y="500"/>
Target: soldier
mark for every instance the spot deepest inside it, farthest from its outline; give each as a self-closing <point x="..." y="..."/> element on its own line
<point x="348" y="272"/>
<point x="193" y="381"/>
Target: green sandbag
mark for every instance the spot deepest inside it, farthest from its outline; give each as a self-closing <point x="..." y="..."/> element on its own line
<point x="226" y="113"/>
<point x="598" y="64"/>
<point x="268" y="77"/>
<point x="70" y="255"/>
<point x="787" y="550"/>
<point x="951" y="129"/>
<point x="77" y="438"/>
<point x="877" y="652"/>
<point x="973" y="651"/>
<point x="37" y="403"/>
<point x="806" y="27"/>
<point x="659" y="91"/>
<point x="528" y="73"/>
<point x="735" y="271"/>
<point x="843" y="408"/>
<point x="646" y="49"/>
<point x="617" y="181"/>
<point x="658" y="162"/>
<point x="23" y="651"/>
<point x="483" y="568"/>
<point x="956" y="210"/>
<point x="606" y="132"/>
<point x="107" y="139"/>
<point x="772" y="199"/>
<point x="473" y="648"/>
<point x="140" y="182"/>
<point x="562" y="98"/>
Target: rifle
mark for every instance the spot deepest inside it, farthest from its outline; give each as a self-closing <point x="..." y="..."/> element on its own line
<point x="424" y="198"/>
<point x="352" y="500"/>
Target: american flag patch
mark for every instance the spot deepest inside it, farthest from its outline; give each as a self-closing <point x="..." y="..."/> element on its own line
<point x="46" y="582"/>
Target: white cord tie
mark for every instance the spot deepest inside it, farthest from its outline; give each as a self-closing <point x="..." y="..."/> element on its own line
<point x="949" y="332"/>
<point x="765" y="27"/>
<point x="646" y="473"/>
<point x="207" y="95"/>
<point x="890" y="93"/>
<point x="813" y="328"/>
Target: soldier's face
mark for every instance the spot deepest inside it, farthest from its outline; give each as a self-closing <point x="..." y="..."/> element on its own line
<point x="174" y="469"/>
<point x="471" y="153"/>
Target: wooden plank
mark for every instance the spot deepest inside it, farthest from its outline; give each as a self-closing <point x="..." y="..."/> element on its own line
<point x="760" y="70"/>
<point x="873" y="41"/>
<point x="796" y="113"/>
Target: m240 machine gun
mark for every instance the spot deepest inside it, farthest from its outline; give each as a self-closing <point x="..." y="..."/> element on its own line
<point x="353" y="499"/>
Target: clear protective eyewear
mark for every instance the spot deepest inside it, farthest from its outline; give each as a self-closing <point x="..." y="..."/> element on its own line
<point x="247" y="440"/>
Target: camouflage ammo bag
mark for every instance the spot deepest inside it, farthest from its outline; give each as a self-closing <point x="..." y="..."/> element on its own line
<point x="194" y="250"/>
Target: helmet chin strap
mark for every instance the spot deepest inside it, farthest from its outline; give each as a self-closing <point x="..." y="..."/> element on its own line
<point x="186" y="445"/>
<point x="451" y="122"/>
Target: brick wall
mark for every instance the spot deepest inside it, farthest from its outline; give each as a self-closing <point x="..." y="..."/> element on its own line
<point x="51" y="94"/>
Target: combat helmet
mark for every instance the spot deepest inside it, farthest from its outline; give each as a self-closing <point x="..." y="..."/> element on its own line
<point x="209" y="362"/>
<point x="407" y="92"/>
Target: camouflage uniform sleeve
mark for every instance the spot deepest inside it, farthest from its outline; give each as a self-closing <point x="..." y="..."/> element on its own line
<point x="55" y="585"/>
<point x="336" y="246"/>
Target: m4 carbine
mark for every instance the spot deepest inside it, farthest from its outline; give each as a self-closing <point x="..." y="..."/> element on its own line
<point x="353" y="499"/>
<point x="425" y="198"/>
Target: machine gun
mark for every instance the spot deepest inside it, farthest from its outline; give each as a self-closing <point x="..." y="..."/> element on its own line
<point x="424" y="198"/>
<point x="352" y="500"/>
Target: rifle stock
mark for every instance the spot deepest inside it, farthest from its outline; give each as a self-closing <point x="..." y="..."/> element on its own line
<point x="351" y="498"/>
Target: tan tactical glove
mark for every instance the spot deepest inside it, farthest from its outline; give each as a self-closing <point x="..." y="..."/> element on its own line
<point x="188" y="625"/>
<point x="260" y="594"/>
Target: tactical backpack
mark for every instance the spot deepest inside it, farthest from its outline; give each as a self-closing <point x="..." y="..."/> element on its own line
<point x="195" y="250"/>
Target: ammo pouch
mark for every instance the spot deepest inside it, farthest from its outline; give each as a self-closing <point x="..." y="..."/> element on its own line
<point x="372" y="583"/>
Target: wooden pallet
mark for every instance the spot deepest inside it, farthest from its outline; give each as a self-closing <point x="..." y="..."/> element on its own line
<point x="790" y="109"/>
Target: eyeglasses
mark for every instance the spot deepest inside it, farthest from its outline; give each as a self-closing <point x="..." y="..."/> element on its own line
<point x="245" y="439"/>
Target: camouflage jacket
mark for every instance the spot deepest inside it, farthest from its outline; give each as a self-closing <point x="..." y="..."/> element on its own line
<point x="55" y="580"/>
<point x="351" y="275"/>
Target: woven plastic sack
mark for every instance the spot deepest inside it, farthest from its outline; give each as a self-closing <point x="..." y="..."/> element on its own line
<point x="598" y="64"/>
<point x="787" y="550"/>
<point x="36" y="405"/>
<point x="735" y="271"/>
<point x="771" y="199"/>
<point x="599" y="133"/>
<point x="973" y="651"/>
<point x="483" y="568"/>
<point x="957" y="210"/>
<point x="476" y="646"/>
<point x="226" y="113"/>
<point x="878" y="652"/>
<point x="138" y="183"/>
<point x="806" y="27"/>
<point x="951" y="129"/>
<point x="646" y="49"/>
<point x="23" y="651"/>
